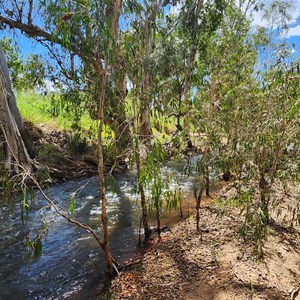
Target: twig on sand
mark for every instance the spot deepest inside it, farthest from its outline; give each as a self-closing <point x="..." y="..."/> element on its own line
<point x="295" y="293"/>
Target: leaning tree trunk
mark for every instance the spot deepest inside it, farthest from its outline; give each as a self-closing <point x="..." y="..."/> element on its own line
<point x="145" y="111"/>
<point x="14" y="155"/>
<point x="189" y="71"/>
<point x="11" y="99"/>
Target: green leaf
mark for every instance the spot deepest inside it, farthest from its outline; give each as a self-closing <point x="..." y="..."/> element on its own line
<point x="72" y="205"/>
<point x="37" y="244"/>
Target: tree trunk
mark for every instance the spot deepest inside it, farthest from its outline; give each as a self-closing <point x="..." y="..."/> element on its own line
<point x="120" y="124"/>
<point x="138" y="161"/>
<point x="11" y="99"/>
<point x="189" y="73"/>
<point x="137" y="150"/>
<point x="102" y="77"/>
<point x="145" y="125"/>
<point x="108" y="257"/>
<point x="14" y="153"/>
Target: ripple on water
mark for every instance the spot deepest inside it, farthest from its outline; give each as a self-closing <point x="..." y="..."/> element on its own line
<point x="70" y="258"/>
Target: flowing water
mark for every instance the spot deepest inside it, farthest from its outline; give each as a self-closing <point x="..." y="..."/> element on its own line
<point x="70" y="264"/>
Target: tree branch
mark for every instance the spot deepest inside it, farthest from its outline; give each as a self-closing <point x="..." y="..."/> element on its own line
<point x="30" y="13"/>
<point x="35" y="31"/>
<point x="42" y="36"/>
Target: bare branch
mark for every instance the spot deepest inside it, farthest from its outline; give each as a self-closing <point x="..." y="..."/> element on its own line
<point x="29" y="21"/>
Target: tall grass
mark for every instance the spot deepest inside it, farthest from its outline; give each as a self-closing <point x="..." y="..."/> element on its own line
<point x="52" y="111"/>
<point x="34" y="107"/>
<point x="49" y="109"/>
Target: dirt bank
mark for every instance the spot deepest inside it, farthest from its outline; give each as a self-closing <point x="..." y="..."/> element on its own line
<point x="53" y="154"/>
<point x="216" y="263"/>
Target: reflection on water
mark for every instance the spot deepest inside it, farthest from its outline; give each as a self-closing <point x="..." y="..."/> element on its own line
<point x="71" y="262"/>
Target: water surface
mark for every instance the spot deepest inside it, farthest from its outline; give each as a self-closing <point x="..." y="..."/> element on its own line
<point x="71" y="264"/>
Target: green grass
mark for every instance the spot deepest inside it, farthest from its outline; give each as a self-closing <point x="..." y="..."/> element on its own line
<point x="48" y="109"/>
<point x="33" y="107"/>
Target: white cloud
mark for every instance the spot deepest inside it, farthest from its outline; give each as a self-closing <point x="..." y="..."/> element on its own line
<point x="293" y="31"/>
<point x="293" y="51"/>
<point x="294" y="12"/>
<point x="50" y="86"/>
<point x="175" y="9"/>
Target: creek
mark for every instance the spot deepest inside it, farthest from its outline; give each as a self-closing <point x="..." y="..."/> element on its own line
<point x="71" y="264"/>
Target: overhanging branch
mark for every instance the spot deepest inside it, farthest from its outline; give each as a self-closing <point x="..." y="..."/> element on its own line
<point x="35" y="31"/>
<point x="42" y="36"/>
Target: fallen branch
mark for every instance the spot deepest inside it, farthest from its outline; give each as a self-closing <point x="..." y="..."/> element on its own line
<point x="295" y="293"/>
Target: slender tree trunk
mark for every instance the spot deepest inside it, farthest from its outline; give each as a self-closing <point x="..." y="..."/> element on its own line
<point x="158" y="228"/>
<point x="189" y="72"/>
<point x="144" y="210"/>
<point x="108" y="257"/>
<point x="144" y="219"/>
<point x="137" y="152"/>
<point x="264" y="195"/>
<point x="198" y="203"/>
<point x="207" y="181"/>
<point x="102" y="76"/>
<point x="145" y="125"/>
<point x="141" y="190"/>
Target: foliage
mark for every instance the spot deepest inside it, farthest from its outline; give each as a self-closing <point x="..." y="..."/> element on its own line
<point x="7" y="187"/>
<point x="34" y="107"/>
<point x="248" y="115"/>
<point x="26" y="73"/>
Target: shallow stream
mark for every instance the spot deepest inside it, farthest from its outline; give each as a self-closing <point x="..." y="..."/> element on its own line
<point x="70" y="264"/>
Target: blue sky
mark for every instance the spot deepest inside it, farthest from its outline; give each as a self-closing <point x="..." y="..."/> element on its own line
<point x="292" y="36"/>
<point x="28" y="46"/>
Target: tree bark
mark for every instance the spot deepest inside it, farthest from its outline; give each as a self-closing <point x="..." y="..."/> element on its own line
<point x="11" y="99"/>
<point x="102" y="77"/>
<point x="104" y="219"/>
<point x="189" y="72"/>
<point x="137" y="152"/>
<point x="14" y="153"/>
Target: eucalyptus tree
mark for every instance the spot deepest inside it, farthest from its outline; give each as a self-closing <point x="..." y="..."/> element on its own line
<point x="225" y="74"/>
<point x="70" y="31"/>
<point x="89" y="30"/>
<point x="160" y="67"/>
<point x="249" y="115"/>
<point x="277" y="126"/>
<point x="227" y="89"/>
<point x="141" y="61"/>
<point x="141" y="66"/>
<point x="197" y="21"/>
